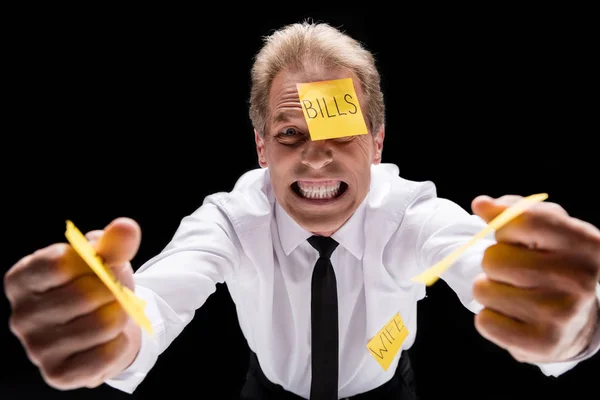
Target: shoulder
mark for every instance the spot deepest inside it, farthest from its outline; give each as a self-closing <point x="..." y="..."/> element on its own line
<point x="226" y="215"/>
<point x="394" y="195"/>
<point x="399" y="198"/>
<point x="247" y="205"/>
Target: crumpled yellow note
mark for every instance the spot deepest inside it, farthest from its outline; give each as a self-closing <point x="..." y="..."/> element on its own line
<point x="132" y="304"/>
<point x="432" y="274"/>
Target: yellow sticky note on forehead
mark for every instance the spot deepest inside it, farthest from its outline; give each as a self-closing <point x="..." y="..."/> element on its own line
<point x="331" y="109"/>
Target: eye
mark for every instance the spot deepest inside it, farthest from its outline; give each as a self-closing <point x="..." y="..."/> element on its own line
<point x="344" y="139"/>
<point x="288" y="132"/>
<point x="290" y="136"/>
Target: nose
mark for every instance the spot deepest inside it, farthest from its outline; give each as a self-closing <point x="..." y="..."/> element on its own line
<point x="317" y="154"/>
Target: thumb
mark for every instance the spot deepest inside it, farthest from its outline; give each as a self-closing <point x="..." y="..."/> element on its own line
<point x="489" y="208"/>
<point x="117" y="244"/>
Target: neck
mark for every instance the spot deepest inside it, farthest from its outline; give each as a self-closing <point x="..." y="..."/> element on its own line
<point x="329" y="233"/>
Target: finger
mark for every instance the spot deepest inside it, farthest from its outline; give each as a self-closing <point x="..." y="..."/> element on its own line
<point x="489" y="208"/>
<point x="543" y="226"/>
<point x="80" y="334"/>
<point x="508" y="333"/>
<point x="42" y="270"/>
<point x="524" y="305"/>
<point x="117" y="245"/>
<point x="119" y="242"/>
<point x="522" y="267"/>
<point x="60" y="305"/>
<point x="94" y="235"/>
<point x="75" y="371"/>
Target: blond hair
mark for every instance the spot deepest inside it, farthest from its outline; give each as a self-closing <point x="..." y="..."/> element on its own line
<point x="307" y="44"/>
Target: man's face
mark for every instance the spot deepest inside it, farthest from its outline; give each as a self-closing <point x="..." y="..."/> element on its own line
<point x="318" y="183"/>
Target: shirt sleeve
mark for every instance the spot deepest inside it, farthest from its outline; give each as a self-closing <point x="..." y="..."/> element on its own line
<point x="176" y="282"/>
<point x="445" y="226"/>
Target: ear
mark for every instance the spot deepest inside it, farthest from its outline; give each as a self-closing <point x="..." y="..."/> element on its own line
<point x="378" y="145"/>
<point x="260" y="149"/>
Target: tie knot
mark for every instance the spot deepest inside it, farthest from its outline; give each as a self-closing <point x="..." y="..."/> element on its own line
<point x="323" y="244"/>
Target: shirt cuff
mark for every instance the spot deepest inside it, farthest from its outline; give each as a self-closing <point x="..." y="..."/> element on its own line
<point x="559" y="368"/>
<point x="129" y="379"/>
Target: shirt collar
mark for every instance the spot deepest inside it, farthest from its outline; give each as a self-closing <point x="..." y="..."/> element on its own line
<point x="290" y="233"/>
<point x="351" y="235"/>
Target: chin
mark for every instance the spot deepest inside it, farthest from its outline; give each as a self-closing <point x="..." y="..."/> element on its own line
<point x="321" y="226"/>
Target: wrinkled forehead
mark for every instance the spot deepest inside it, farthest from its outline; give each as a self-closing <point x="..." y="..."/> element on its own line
<point x="285" y="82"/>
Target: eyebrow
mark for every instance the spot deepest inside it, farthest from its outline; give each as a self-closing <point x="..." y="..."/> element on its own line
<point x="286" y="115"/>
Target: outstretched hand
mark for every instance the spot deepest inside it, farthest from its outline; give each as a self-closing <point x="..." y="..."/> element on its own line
<point x="539" y="282"/>
<point x="68" y="321"/>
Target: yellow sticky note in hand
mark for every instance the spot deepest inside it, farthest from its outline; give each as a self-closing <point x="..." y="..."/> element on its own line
<point x="385" y="344"/>
<point x="432" y="274"/>
<point x="331" y="109"/>
<point x="132" y="304"/>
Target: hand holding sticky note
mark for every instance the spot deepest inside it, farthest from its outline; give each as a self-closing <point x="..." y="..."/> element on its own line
<point x="432" y="274"/>
<point x="331" y="109"/>
<point x="132" y="304"/>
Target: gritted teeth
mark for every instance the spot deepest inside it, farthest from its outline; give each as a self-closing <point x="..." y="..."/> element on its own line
<point x="319" y="190"/>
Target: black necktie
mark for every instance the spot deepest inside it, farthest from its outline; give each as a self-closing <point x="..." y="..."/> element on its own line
<point x="324" y="320"/>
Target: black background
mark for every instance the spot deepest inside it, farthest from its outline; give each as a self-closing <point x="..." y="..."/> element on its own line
<point x="142" y="112"/>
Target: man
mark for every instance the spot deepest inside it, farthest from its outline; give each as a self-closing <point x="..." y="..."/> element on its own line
<point x="318" y="249"/>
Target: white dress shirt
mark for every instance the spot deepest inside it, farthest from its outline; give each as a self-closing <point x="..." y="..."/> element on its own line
<point x="245" y="239"/>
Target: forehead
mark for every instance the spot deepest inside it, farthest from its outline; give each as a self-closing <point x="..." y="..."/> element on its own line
<point x="284" y="92"/>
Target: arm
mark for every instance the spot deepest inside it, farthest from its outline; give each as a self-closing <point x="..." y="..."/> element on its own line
<point x="445" y="226"/>
<point x="178" y="281"/>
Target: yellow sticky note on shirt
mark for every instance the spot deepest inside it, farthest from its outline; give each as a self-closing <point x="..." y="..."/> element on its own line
<point x="331" y="109"/>
<point x="385" y="344"/>
<point x="132" y="304"/>
<point x="432" y="274"/>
